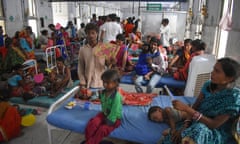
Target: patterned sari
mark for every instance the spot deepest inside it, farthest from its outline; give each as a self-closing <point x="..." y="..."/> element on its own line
<point x="226" y="101"/>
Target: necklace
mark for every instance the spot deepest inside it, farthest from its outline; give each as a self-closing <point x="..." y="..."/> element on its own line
<point x="216" y="89"/>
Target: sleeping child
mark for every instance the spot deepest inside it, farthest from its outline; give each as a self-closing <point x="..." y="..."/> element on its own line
<point x="168" y="115"/>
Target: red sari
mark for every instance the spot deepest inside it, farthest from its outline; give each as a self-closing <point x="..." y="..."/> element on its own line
<point x="10" y="122"/>
<point x="182" y="74"/>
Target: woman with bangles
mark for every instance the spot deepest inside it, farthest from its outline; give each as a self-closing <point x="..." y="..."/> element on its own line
<point x="215" y="110"/>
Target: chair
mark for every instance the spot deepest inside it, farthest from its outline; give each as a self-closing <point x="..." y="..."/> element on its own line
<point x="199" y="72"/>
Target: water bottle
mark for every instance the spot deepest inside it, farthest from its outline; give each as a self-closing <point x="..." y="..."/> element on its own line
<point x="85" y="105"/>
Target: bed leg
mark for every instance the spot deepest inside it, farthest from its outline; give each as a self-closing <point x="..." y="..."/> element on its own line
<point x="49" y="134"/>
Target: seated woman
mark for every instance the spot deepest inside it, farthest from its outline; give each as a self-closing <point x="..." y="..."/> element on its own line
<point x="214" y="111"/>
<point x="182" y="56"/>
<point x="10" y="119"/>
<point x="198" y="48"/>
<point x="135" y="42"/>
<point x="60" y="78"/>
<point x="26" y="44"/>
<point x="122" y="62"/>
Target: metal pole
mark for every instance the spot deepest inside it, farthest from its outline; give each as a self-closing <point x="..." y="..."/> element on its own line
<point x="139" y="8"/>
<point x="189" y="20"/>
<point x="133" y="7"/>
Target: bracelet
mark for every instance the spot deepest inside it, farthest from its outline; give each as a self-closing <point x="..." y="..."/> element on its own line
<point x="187" y="120"/>
<point x="196" y="115"/>
<point x="199" y="117"/>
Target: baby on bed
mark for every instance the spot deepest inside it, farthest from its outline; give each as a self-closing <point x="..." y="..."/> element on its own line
<point x="168" y="115"/>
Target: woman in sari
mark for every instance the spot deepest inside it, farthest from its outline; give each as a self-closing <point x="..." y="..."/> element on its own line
<point x="198" y="48"/>
<point x="14" y="56"/>
<point x="10" y="119"/>
<point x="26" y="43"/>
<point x="216" y="108"/>
<point x="182" y="55"/>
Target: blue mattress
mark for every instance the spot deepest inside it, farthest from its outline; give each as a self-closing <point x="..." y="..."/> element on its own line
<point x="135" y="125"/>
<point x="165" y="80"/>
<point x="41" y="101"/>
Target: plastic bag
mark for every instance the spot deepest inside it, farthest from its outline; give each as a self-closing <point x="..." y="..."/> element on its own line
<point x="226" y="21"/>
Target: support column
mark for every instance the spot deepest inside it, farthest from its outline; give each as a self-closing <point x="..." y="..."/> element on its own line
<point x="189" y="20"/>
<point x="200" y="18"/>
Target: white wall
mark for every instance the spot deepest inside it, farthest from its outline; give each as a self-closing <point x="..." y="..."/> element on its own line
<point x="66" y="11"/>
<point x="13" y="9"/>
<point x="214" y="8"/>
<point x="60" y="13"/>
<point x="44" y="10"/>
<point x="233" y="43"/>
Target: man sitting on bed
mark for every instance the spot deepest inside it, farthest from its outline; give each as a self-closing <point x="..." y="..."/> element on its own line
<point x="60" y="78"/>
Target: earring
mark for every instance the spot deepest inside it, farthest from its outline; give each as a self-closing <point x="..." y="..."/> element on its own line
<point x="230" y="85"/>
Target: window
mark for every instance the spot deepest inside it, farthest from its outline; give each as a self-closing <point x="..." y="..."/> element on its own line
<point x="32" y="17"/>
<point x="2" y="16"/>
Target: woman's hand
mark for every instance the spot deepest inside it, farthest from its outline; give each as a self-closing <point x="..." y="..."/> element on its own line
<point x="146" y="77"/>
<point x="179" y="105"/>
<point x="166" y="132"/>
<point x="176" y="136"/>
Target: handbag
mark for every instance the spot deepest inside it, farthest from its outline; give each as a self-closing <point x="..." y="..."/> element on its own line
<point x="226" y="20"/>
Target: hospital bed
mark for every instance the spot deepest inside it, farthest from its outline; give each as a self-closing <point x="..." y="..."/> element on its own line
<point x="165" y="80"/>
<point x="49" y="55"/>
<point x="200" y="70"/>
<point x="135" y="125"/>
<point x="42" y="101"/>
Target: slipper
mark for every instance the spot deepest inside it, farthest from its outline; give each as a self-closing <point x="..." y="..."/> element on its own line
<point x="83" y="142"/>
<point x="106" y="142"/>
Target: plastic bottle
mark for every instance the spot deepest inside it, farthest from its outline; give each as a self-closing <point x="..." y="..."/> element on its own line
<point x="85" y="105"/>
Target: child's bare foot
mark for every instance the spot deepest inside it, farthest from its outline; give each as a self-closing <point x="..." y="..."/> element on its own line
<point x="134" y="78"/>
<point x="51" y="95"/>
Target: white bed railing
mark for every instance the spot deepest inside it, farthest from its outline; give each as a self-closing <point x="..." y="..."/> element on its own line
<point x="51" y="56"/>
<point x="56" y="105"/>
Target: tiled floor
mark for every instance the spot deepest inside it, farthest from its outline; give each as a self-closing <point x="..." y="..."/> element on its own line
<point x="38" y="133"/>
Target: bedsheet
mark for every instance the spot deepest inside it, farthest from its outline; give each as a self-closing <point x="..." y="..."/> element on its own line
<point x="42" y="101"/>
<point x="135" y="125"/>
<point x="165" y="80"/>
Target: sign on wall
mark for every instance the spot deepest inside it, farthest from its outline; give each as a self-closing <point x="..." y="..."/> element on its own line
<point x="154" y="7"/>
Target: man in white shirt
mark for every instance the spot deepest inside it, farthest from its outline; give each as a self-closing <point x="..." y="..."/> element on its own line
<point x="110" y="29"/>
<point x="165" y="32"/>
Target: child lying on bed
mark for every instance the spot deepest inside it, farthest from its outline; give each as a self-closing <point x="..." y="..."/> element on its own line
<point x="110" y="118"/>
<point x="168" y="115"/>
